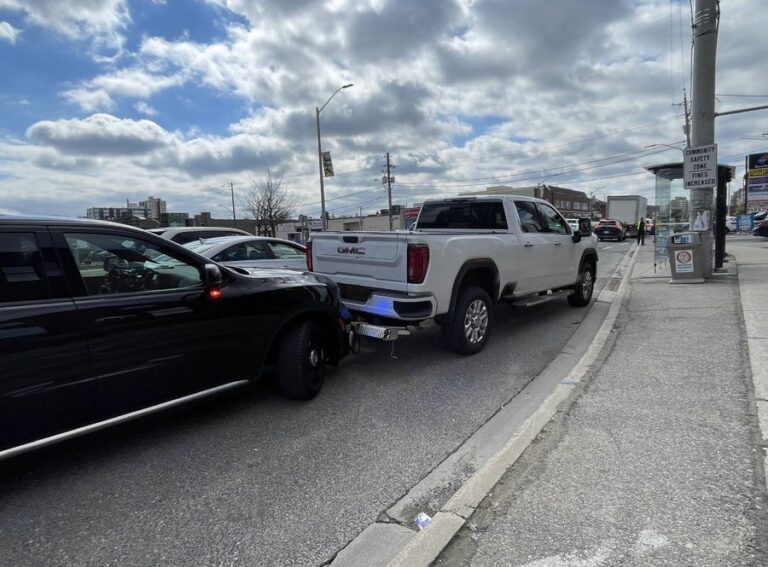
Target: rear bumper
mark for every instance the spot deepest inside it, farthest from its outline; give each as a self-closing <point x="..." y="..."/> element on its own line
<point x="394" y="306"/>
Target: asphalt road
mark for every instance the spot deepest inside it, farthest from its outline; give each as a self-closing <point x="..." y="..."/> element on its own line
<point x="251" y="478"/>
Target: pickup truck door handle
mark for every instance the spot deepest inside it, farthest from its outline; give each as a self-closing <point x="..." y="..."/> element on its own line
<point x="558" y="243"/>
<point x="528" y="244"/>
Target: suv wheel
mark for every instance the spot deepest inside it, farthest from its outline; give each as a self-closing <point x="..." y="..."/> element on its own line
<point x="470" y="326"/>
<point x="582" y="291"/>
<point x="301" y="362"/>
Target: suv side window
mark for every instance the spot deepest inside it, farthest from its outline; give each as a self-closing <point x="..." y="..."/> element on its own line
<point x="113" y="263"/>
<point x="552" y="220"/>
<point x="22" y="276"/>
<point x="529" y="216"/>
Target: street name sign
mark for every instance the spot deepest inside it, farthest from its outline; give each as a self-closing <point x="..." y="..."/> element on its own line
<point x="700" y="167"/>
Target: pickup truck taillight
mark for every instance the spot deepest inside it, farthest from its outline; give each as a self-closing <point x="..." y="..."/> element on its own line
<point x="308" y="254"/>
<point x="418" y="261"/>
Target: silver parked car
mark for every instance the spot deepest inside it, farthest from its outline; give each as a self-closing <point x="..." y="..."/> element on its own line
<point x="251" y="252"/>
<point x="184" y="234"/>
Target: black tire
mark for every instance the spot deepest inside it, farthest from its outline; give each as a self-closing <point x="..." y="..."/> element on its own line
<point x="301" y="362"/>
<point x="582" y="291"/>
<point x="474" y="308"/>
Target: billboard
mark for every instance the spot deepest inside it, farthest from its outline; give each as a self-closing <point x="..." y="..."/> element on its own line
<point x="757" y="177"/>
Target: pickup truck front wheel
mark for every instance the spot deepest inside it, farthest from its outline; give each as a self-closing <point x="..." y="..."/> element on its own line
<point x="301" y="362"/>
<point x="470" y="327"/>
<point x="582" y="291"/>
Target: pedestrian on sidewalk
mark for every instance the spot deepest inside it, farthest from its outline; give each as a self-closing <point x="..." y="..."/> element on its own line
<point x="641" y="228"/>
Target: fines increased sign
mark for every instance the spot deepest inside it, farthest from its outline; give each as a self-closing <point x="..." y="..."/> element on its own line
<point x="700" y="167"/>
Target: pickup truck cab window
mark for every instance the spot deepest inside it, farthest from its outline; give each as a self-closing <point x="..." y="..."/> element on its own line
<point x="529" y="216"/>
<point x="552" y="220"/>
<point x="112" y="263"/>
<point x="22" y="277"/>
<point x="471" y="215"/>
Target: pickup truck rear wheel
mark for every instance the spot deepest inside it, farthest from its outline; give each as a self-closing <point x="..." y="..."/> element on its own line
<point x="582" y="291"/>
<point x="301" y="362"/>
<point x="470" y="326"/>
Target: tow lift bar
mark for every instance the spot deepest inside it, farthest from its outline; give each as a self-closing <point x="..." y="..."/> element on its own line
<point x="381" y="332"/>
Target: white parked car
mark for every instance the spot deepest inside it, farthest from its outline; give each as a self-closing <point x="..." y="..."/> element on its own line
<point x="251" y="252"/>
<point x="573" y="223"/>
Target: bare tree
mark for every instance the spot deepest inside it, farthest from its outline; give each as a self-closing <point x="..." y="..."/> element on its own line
<point x="268" y="203"/>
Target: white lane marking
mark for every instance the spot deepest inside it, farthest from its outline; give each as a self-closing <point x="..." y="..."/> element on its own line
<point x="615" y="245"/>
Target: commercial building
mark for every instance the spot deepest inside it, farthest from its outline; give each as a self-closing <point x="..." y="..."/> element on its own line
<point x="117" y="213"/>
<point x="155" y="206"/>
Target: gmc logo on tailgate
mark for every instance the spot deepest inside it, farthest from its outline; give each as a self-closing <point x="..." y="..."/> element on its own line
<point x="359" y="250"/>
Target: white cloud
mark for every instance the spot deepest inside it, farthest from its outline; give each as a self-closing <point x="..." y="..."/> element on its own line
<point x="100" y="135"/>
<point x="100" y="20"/>
<point x="463" y="94"/>
<point x="144" y="108"/>
<point x="99" y="93"/>
<point x="89" y="100"/>
<point x="8" y="32"/>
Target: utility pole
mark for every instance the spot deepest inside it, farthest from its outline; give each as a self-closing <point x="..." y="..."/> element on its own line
<point x="232" y="191"/>
<point x="388" y="182"/>
<point x="706" y="17"/>
<point x="687" y="120"/>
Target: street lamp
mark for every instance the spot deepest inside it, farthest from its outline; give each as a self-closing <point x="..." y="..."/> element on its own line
<point x="320" y="154"/>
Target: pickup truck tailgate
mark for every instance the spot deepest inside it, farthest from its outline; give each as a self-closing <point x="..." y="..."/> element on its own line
<point x="361" y="258"/>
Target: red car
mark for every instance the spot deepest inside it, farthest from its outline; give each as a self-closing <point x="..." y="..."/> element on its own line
<point x="608" y="228"/>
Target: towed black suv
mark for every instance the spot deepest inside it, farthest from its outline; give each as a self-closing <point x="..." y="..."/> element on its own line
<point x="101" y="322"/>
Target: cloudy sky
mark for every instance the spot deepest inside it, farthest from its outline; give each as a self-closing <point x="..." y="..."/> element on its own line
<point x="107" y="100"/>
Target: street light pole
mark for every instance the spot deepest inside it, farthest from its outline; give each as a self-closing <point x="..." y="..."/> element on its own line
<point x="318" y="110"/>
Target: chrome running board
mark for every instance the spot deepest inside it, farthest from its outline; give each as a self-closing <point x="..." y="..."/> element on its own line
<point x="45" y="441"/>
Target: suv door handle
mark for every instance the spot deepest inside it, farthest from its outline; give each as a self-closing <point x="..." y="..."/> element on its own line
<point x="528" y="244"/>
<point x="558" y="243"/>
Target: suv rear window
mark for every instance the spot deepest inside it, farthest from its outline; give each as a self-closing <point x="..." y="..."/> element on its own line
<point x="476" y="215"/>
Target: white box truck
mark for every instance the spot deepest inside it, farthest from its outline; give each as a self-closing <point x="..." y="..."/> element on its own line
<point x="628" y="209"/>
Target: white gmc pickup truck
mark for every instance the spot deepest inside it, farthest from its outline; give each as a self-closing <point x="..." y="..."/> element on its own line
<point x="463" y="256"/>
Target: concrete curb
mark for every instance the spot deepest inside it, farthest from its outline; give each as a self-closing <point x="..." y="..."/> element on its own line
<point x="507" y="434"/>
<point x="753" y="312"/>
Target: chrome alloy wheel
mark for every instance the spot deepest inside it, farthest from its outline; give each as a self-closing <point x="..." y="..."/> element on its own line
<point x="476" y="321"/>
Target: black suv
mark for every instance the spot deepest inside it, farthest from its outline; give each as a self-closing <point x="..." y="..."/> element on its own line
<point x="101" y="322"/>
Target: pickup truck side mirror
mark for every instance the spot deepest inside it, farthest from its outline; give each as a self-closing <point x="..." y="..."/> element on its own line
<point x="585" y="229"/>
<point x="585" y="226"/>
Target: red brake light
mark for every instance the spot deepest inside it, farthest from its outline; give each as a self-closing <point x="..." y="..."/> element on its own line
<point x="308" y="255"/>
<point x="418" y="262"/>
<point x="214" y="293"/>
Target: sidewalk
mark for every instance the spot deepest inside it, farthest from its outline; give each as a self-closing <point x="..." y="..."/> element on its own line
<point x="657" y="461"/>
